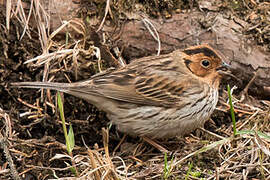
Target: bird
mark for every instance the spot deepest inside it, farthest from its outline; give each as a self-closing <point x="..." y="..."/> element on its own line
<point x="161" y="96"/>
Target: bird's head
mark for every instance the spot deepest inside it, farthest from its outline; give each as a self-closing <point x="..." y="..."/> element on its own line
<point x="205" y="62"/>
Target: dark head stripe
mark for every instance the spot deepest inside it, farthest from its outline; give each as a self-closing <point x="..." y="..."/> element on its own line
<point x="187" y="63"/>
<point x="204" y="50"/>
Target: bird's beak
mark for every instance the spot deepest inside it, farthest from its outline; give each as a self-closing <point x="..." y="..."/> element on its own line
<point x="223" y="68"/>
<point x="225" y="65"/>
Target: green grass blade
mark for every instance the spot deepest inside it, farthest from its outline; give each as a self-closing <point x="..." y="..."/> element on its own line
<point x="71" y="138"/>
<point x="61" y="111"/>
<point x="232" y="109"/>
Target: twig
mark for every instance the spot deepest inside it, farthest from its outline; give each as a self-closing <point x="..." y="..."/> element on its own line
<point x="244" y="92"/>
<point x="154" y="34"/>
<point x="8" y="11"/>
<point x="105" y="15"/>
<point x="4" y="146"/>
<point x="213" y="134"/>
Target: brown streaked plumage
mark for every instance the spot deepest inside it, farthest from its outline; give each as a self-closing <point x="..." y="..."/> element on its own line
<point x="156" y="96"/>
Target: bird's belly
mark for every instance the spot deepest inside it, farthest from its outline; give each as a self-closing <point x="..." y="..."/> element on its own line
<point x="158" y="122"/>
<point x="161" y="122"/>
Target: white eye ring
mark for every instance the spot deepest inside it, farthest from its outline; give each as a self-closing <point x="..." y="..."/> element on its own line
<point x="205" y="63"/>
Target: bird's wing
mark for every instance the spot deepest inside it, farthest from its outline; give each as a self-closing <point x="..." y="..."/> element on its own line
<point x="147" y="87"/>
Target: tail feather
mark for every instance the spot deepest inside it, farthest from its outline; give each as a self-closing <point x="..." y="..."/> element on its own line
<point x="81" y="89"/>
<point x="46" y="85"/>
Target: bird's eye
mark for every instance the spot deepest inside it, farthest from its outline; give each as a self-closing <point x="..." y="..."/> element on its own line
<point x="205" y="63"/>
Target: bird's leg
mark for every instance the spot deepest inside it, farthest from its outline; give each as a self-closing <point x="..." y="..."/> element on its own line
<point x="155" y="144"/>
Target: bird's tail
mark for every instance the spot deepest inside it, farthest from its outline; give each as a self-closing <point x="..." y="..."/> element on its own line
<point x="46" y="85"/>
<point x="83" y="89"/>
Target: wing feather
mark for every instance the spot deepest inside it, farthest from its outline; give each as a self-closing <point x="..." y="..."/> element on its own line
<point x="147" y="85"/>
